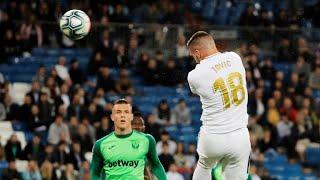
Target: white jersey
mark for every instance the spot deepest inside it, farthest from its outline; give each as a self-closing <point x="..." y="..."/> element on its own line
<point x="220" y="82"/>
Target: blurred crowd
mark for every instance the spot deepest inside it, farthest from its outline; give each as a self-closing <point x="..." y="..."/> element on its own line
<point x="67" y="111"/>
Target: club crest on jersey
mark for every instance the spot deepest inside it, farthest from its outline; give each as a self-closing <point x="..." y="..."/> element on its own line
<point x="135" y="144"/>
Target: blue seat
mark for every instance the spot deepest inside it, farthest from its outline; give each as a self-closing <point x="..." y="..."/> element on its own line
<point x="312" y="156"/>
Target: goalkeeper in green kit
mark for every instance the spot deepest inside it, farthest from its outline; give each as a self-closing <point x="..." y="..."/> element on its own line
<point x="122" y="154"/>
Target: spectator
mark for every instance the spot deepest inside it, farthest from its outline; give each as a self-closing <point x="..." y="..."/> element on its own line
<point x="106" y="45"/>
<point x="264" y="19"/>
<point x="284" y="52"/>
<point x="267" y="70"/>
<point x="165" y="156"/>
<point x="61" y="69"/>
<point x="255" y="127"/>
<point x="51" y="88"/>
<point x="301" y="67"/>
<point x="288" y="109"/>
<point x="76" y="74"/>
<point x="133" y="51"/>
<point x="58" y="131"/>
<point x="25" y="108"/>
<point x="84" y="138"/>
<point x="95" y="63"/>
<point x="84" y="171"/>
<point x="76" y="155"/>
<point x="61" y="156"/>
<point x="99" y="98"/>
<point x="282" y="20"/>
<point x="105" y="80"/>
<point x="171" y="74"/>
<point x="266" y="142"/>
<point x="152" y="127"/>
<point x="46" y="109"/>
<point x="104" y="128"/>
<point x="181" y="160"/>
<point x="9" y="46"/>
<point x="152" y="73"/>
<point x="35" y="92"/>
<point x="11" y="172"/>
<point x="94" y="113"/>
<point x="3" y="113"/>
<point x="284" y="128"/>
<point x="34" y="149"/>
<point x="172" y="174"/>
<point x="120" y="59"/>
<point x="181" y="113"/>
<point x="249" y="17"/>
<point x="35" y="123"/>
<point x="13" y="148"/>
<point x="119" y="14"/>
<point x="256" y="105"/>
<point x="70" y="172"/>
<point x="181" y="49"/>
<point x="165" y="139"/>
<point x="32" y="173"/>
<point x="163" y="113"/>
<point x="63" y="98"/>
<point x="46" y="170"/>
<point x="90" y="129"/>
<point x="314" y="80"/>
<point x="41" y="75"/>
<point x="76" y="108"/>
<point x="48" y="156"/>
<point x="124" y="85"/>
<point x="31" y="32"/>
<point x="273" y="115"/>
<point x="191" y="156"/>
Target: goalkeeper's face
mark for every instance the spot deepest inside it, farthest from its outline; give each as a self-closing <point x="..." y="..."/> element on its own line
<point x="122" y="116"/>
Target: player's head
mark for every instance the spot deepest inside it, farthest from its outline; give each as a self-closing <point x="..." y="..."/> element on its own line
<point x="201" y="45"/>
<point x="138" y="122"/>
<point x="122" y="115"/>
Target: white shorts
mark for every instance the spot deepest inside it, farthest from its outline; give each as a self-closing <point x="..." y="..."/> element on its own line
<point x="231" y="150"/>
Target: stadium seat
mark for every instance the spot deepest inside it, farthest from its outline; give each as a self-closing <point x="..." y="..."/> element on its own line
<point x="312" y="156"/>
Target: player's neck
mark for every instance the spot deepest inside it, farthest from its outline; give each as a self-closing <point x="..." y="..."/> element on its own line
<point x="209" y="54"/>
<point x="123" y="133"/>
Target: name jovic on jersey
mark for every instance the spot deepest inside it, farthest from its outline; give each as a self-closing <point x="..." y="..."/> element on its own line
<point x="220" y="81"/>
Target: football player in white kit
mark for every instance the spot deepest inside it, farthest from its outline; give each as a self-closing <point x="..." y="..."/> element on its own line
<point x="219" y="79"/>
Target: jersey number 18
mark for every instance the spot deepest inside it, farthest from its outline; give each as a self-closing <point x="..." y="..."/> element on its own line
<point x="234" y="88"/>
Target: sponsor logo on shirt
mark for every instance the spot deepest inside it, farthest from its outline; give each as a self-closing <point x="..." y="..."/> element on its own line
<point x="122" y="163"/>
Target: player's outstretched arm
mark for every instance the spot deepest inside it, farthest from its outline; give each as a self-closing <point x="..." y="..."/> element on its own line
<point x="96" y="162"/>
<point x="156" y="166"/>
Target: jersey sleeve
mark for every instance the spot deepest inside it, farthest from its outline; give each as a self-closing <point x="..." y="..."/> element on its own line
<point x="155" y="164"/>
<point x="96" y="162"/>
<point x="191" y="83"/>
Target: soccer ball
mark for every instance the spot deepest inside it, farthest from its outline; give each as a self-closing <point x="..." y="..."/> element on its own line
<point x="75" y="24"/>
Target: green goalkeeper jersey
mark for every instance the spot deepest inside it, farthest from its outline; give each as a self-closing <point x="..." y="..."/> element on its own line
<point x="124" y="157"/>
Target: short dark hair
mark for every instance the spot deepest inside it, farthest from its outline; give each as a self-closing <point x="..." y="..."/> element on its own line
<point x="121" y="101"/>
<point x="195" y="36"/>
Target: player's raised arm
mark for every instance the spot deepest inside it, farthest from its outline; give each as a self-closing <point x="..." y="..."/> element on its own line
<point x="156" y="166"/>
<point x="96" y="162"/>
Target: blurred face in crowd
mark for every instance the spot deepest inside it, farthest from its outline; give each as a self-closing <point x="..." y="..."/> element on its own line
<point x="287" y="103"/>
<point x="58" y="120"/>
<point x="44" y="97"/>
<point x="76" y="147"/>
<point x="279" y="75"/>
<point x="122" y="116"/>
<point x="73" y="121"/>
<point x="165" y="137"/>
<point x="14" y="138"/>
<point x="82" y="129"/>
<point x="180" y="148"/>
<point x="182" y="105"/>
<point x="138" y="124"/>
<point x="32" y="165"/>
<point x="27" y="99"/>
<point x="62" y="61"/>
<point x="152" y="64"/>
<point x="271" y="103"/>
<point x="49" y="149"/>
<point x="105" y="122"/>
<point x="12" y="165"/>
<point x="35" y="86"/>
<point x="50" y="82"/>
<point x="34" y="110"/>
<point x="7" y="99"/>
<point x="42" y="71"/>
<point x="105" y="71"/>
<point x="151" y="119"/>
<point x="192" y="148"/>
<point x="294" y="78"/>
<point x="173" y="168"/>
<point x="181" y="40"/>
<point x="36" y="140"/>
